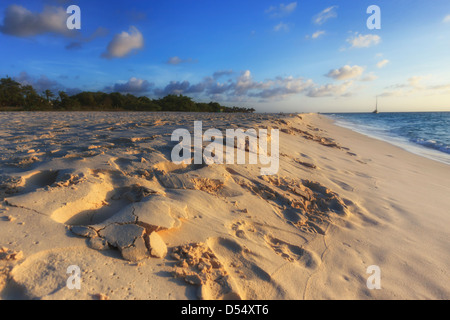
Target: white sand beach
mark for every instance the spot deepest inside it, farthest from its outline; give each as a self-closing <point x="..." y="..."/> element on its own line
<point x="99" y="191"/>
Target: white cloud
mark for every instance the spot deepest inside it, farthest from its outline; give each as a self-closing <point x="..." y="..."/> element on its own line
<point x="222" y="73"/>
<point x="134" y="85"/>
<point x="415" y="84"/>
<point x="345" y="73"/>
<point x="382" y="63"/>
<point x="99" y="32"/>
<point x="282" y="87"/>
<point x="174" y="60"/>
<point x="39" y="84"/>
<point x="369" y="77"/>
<point x="177" y="60"/>
<point x="326" y="14"/>
<point x="42" y="83"/>
<point x="124" y="43"/>
<point x="446" y="19"/>
<point x="271" y="88"/>
<point x="21" y="22"/>
<point x="440" y="87"/>
<point x="364" y="41"/>
<point x="244" y="87"/>
<point x="330" y="90"/>
<point x="392" y="93"/>
<point x="281" y="27"/>
<point x="245" y="83"/>
<point x="317" y="34"/>
<point x="174" y="87"/>
<point x="282" y="10"/>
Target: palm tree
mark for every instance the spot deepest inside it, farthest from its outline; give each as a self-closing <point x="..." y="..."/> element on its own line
<point x="32" y="99"/>
<point x="48" y="94"/>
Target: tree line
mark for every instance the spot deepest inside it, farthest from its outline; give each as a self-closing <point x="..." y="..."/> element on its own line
<point x="17" y="97"/>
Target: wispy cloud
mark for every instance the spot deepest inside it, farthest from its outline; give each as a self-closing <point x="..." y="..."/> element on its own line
<point x="281" y="27"/>
<point x="325" y="15"/>
<point x="413" y="85"/>
<point x="317" y="34"/>
<point x="282" y="10"/>
<point x="124" y="43"/>
<point x="369" y="77"/>
<point x="99" y="32"/>
<point x="446" y="19"/>
<point x="364" y="41"/>
<point x="382" y="63"/>
<point x="330" y="90"/>
<point x="42" y="83"/>
<point x="222" y="73"/>
<point x="135" y="15"/>
<point x="177" y="60"/>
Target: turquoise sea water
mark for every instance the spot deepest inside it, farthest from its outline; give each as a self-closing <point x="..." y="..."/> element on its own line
<point x="424" y="133"/>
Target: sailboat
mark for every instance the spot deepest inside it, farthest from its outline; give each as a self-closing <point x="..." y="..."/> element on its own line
<point x="376" y="108"/>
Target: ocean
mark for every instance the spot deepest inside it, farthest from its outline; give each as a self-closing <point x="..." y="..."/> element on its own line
<point x="423" y="133"/>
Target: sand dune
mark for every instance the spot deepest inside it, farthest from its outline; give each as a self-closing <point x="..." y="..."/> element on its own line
<point x="99" y="191"/>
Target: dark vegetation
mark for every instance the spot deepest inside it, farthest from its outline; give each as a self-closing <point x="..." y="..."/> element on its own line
<point x="17" y="97"/>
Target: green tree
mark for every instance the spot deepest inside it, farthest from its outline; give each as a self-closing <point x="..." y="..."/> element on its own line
<point x="177" y="103"/>
<point x="118" y="101"/>
<point x="13" y="94"/>
<point x="10" y="93"/>
<point x="48" y="95"/>
<point x="86" y="99"/>
<point x="31" y="98"/>
<point x="68" y="103"/>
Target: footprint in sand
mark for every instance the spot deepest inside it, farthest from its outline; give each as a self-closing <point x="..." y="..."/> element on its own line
<point x="26" y="182"/>
<point x="8" y="258"/>
<point x="71" y="192"/>
<point x="91" y="201"/>
<point x="305" y="164"/>
<point x="293" y="253"/>
<point x="237" y="260"/>
<point x="343" y="185"/>
<point x="306" y="205"/>
<point x="199" y="266"/>
<point x="251" y="270"/>
<point x="242" y="229"/>
<point x="44" y="275"/>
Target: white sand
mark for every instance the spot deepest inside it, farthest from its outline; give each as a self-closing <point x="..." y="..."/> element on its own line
<point x="144" y="228"/>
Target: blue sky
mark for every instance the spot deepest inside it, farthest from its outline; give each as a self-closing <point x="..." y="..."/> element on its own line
<point x="290" y="56"/>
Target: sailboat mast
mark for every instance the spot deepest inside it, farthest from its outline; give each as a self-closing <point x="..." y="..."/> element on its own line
<point x="376" y="107"/>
